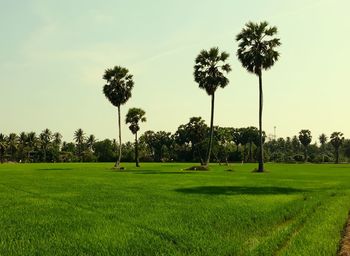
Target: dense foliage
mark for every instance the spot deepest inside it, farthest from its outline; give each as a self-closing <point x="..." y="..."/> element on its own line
<point x="188" y="144"/>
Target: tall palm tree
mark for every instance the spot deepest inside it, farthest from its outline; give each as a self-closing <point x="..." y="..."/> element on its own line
<point x="117" y="90"/>
<point x="305" y="139"/>
<point x="256" y="51"/>
<point x="323" y="140"/>
<point x="133" y="117"/>
<point x="45" y="140"/>
<point x="3" y="146"/>
<point x="209" y="72"/>
<point x="337" y="140"/>
<point x="79" y="137"/>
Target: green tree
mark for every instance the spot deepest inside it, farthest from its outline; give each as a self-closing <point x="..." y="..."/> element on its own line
<point x="32" y="143"/>
<point x="133" y="117"/>
<point x="45" y="140"/>
<point x="256" y="51"/>
<point x="194" y="134"/>
<point x="237" y="137"/>
<point x="157" y="142"/>
<point x="90" y="142"/>
<point x="56" y="143"/>
<point x="252" y="134"/>
<point x="209" y="72"/>
<point x="323" y="140"/>
<point x="104" y="151"/>
<point x="117" y="90"/>
<point x="337" y="141"/>
<point x="12" y="145"/>
<point x="346" y="148"/>
<point x="223" y="136"/>
<point x="79" y="137"/>
<point x="305" y="139"/>
<point x="22" y="146"/>
<point x="3" y="146"/>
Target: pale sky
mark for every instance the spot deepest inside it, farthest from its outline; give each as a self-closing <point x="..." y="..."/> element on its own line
<point x="53" y="55"/>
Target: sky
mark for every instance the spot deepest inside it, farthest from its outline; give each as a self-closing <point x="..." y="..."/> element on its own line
<point x="53" y="55"/>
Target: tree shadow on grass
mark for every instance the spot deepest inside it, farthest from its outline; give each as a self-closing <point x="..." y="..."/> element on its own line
<point x="238" y="190"/>
<point x="54" y="169"/>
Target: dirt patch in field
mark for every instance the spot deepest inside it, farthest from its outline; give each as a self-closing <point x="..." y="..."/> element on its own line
<point x="344" y="249"/>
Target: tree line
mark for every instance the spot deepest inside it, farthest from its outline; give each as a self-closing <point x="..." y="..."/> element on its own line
<point x="187" y="144"/>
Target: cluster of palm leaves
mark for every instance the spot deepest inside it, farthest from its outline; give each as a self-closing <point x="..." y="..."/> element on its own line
<point x="30" y="147"/>
<point x="45" y="147"/>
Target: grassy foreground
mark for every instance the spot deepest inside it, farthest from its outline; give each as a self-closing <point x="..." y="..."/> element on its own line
<point x="88" y="209"/>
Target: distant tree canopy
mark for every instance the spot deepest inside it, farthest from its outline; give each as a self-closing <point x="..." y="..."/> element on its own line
<point x="187" y="144"/>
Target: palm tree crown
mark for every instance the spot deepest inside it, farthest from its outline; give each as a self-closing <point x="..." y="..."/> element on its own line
<point x="119" y="85"/>
<point x="256" y="49"/>
<point x="133" y="117"/>
<point x="210" y="69"/>
<point x="79" y="136"/>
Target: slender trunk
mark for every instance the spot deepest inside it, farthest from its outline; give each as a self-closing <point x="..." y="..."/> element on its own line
<point x="136" y="151"/>
<point x="211" y="129"/>
<point x="305" y="154"/>
<point x="44" y="155"/>
<point x="117" y="164"/>
<point x="261" y="150"/>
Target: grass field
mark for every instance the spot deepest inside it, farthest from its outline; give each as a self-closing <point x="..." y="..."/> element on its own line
<point x="88" y="209"/>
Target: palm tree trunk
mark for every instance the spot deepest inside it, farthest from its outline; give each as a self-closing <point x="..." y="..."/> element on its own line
<point x="261" y="151"/>
<point x="211" y="129"/>
<point x="136" y="151"/>
<point x="117" y="164"/>
<point x="305" y="154"/>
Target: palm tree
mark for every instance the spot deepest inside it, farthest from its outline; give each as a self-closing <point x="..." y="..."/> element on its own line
<point x="56" y="143"/>
<point x="57" y="140"/>
<point x="3" y="146"/>
<point x="90" y="142"/>
<point x="209" y="72"/>
<point x="45" y="140"/>
<point x="337" y="140"/>
<point x="12" y="144"/>
<point x="118" y="91"/>
<point x="22" y="141"/>
<point x="323" y="140"/>
<point x="305" y="139"/>
<point x="256" y="51"/>
<point x="32" y="142"/>
<point x="133" y="117"/>
<point x="79" y="137"/>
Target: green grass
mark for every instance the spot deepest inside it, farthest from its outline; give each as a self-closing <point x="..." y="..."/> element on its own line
<point x="89" y="209"/>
